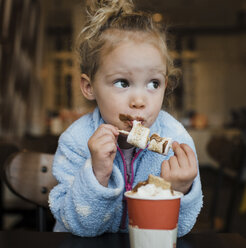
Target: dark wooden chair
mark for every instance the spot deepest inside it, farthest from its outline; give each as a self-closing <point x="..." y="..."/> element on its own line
<point x="29" y="175"/>
<point x="6" y="149"/>
<point x="229" y="151"/>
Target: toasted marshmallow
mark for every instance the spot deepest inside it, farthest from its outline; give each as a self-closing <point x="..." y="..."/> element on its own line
<point x="159" y="144"/>
<point x="158" y="182"/>
<point x="138" y="136"/>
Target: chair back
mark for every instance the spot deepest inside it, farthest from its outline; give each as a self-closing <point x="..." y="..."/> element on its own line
<point x="228" y="149"/>
<point x="6" y="149"/>
<point x="29" y="176"/>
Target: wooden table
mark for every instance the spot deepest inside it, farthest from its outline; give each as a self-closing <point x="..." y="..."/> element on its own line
<point x="25" y="239"/>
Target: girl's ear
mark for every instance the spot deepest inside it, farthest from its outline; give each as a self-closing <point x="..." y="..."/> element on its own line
<point x="86" y="87"/>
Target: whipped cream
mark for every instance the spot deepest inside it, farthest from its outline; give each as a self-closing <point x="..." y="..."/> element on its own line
<point x="151" y="191"/>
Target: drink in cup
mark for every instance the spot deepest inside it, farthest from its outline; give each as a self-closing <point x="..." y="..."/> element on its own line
<point x="153" y="210"/>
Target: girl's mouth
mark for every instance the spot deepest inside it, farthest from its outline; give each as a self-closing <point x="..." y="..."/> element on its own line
<point x="128" y="119"/>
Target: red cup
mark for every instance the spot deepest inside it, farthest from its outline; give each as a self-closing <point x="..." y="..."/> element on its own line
<point x="153" y="221"/>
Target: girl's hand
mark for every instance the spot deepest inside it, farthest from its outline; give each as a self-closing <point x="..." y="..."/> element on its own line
<point x="103" y="148"/>
<point x="181" y="169"/>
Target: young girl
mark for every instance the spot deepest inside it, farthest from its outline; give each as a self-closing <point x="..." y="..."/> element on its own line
<point x="126" y="70"/>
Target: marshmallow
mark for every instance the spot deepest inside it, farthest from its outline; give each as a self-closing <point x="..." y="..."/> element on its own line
<point x="156" y="181"/>
<point x="159" y="144"/>
<point x="138" y="135"/>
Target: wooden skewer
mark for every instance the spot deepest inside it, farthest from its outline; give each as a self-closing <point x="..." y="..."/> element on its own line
<point x="127" y="133"/>
<point x="169" y="143"/>
<point x="124" y="132"/>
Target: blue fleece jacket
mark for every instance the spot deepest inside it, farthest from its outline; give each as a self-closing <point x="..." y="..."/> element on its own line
<point x="82" y="206"/>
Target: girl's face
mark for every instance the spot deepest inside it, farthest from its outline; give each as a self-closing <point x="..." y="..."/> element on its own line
<point x="131" y="80"/>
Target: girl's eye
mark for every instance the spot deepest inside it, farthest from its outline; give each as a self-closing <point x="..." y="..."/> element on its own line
<point x="154" y="84"/>
<point x="122" y="83"/>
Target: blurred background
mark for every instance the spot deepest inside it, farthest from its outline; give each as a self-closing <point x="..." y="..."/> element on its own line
<point x="40" y="95"/>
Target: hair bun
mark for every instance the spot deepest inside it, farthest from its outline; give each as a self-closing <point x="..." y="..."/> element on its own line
<point x="101" y="11"/>
<point x="109" y="6"/>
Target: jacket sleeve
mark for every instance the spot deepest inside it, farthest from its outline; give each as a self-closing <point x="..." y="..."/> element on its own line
<point x="190" y="207"/>
<point x="192" y="202"/>
<point x="79" y="202"/>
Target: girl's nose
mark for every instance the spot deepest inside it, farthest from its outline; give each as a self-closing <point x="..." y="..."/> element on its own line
<point x="137" y="102"/>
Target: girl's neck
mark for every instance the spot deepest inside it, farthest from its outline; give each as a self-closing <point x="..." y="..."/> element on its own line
<point x="122" y="142"/>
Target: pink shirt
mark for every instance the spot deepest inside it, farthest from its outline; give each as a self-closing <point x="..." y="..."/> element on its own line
<point x="128" y="155"/>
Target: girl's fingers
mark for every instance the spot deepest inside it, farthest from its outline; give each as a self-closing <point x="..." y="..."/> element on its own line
<point x="109" y="138"/>
<point x="170" y="168"/>
<point x="109" y="147"/>
<point x="99" y="143"/>
<point x="106" y="129"/>
<point x="111" y="128"/>
<point x="174" y="163"/>
<point x="180" y="169"/>
<point x="103" y="131"/>
<point x="165" y="169"/>
<point x="180" y="155"/>
<point x="177" y="149"/>
<point x="190" y="154"/>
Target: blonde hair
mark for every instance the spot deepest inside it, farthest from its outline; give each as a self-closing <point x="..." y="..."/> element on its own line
<point x="106" y="20"/>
